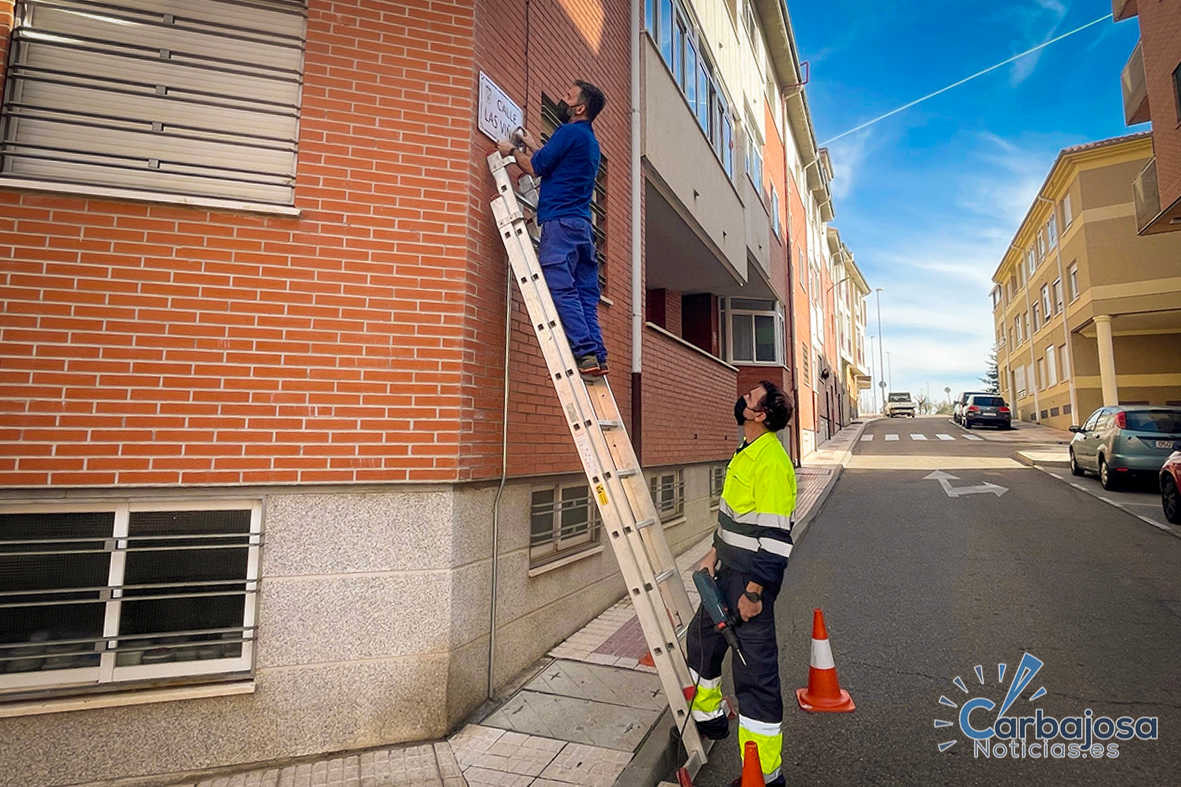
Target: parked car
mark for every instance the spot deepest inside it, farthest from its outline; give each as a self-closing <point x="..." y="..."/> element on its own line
<point x="1170" y="482"/>
<point x="961" y="402"/>
<point x="1122" y="441"/>
<point x="899" y="403"/>
<point x="987" y="409"/>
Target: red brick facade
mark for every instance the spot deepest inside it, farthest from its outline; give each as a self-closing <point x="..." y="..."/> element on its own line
<point x="1160" y="35"/>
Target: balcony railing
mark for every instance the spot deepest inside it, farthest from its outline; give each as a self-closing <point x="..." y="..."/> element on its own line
<point x="1135" y="88"/>
<point x="1147" y="196"/>
<point x="1123" y="9"/>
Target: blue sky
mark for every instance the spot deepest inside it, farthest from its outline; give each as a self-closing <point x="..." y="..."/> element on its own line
<point x="929" y="199"/>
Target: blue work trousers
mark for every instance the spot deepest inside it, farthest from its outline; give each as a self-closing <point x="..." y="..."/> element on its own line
<point x="567" y="257"/>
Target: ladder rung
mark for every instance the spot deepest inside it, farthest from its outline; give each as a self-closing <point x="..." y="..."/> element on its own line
<point x="607" y="423"/>
<point x="627" y="472"/>
<point x="682" y="630"/>
<point x="668" y="573"/>
<point x="528" y="202"/>
<point x="643" y="523"/>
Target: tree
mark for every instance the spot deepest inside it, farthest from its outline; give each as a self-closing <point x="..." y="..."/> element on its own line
<point x="991" y="378"/>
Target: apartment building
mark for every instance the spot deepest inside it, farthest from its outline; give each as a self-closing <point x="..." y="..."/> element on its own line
<point x="1151" y="82"/>
<point x="851" y="291"/>
<point x="267" y="402"/>
<point x="1087" y="312"/>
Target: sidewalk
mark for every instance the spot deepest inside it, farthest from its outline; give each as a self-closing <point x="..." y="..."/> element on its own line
<point x="586" y="713"/>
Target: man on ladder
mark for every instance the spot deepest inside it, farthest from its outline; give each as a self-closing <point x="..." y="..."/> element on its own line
<point x="568" y="165"/>
<point x="752" y="543"/>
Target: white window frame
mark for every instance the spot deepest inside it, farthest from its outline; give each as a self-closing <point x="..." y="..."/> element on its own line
<point x="1072" y="271"/>
<point x="1065" y="362"/>
<point x="776" y="224"/>
<point x="1052" y="232"/>
<point x="728" y="315"/>
<point x="1041" y="243"/>
<point x="1028" y="333"/>
<point x="1067" y="214"/>
<point x="1031" y="260"/>
<point x="1047" y="304"/>
<point x="1057" y="295"/>
<point x="1052" y="365"/>
<point x="1017" y="328"/>
<point x="673" y="480"/>
<point x="1019" y="381"/>
<point x="108" y="672"/>
<point x="558" y="547"/>
<point x="1036" y="317"/>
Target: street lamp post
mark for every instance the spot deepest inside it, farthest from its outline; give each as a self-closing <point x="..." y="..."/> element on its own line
<point x="881" y="365"/>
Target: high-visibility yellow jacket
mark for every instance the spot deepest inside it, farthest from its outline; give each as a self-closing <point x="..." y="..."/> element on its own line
<point x="754" y="517"/>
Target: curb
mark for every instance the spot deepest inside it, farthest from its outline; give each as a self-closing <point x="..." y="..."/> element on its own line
<point x="658" y="755"/>
<point x="1031" y="462"/>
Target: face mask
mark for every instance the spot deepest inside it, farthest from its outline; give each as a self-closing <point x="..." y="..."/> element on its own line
<point x="562" y="110"/>
<point x="740" y="410"/>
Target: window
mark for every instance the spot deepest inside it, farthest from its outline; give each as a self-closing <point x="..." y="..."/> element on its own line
<point x="756" y="331"/>
<point x="754" y="158"/>
<point x="776" y="224"/>
<point x="1074" y="282"/>
<point x="996" y="297"/>
<point x="1067" y="215"/>
<point x="668" y="493"/>
<point x="1065" y="361"/>
<point x="1031" y="261"/>
<point x="598" y="205"/>
<point x="1025" y="316"/>
<point x="1046" y="303"/>
<point x="717" y="479"/>
<point x="664" y="27"/>
<point x="130" y="96"/>
<point x="1052" y="232"/>
<point x="1057" y="295"/>
<point x="1052" y="365"/>
<point x="1036" y="320"/>
<point x="563" y="520"/>
<point x="93" y="595"/>
<point x="1017" y="328"/>
<point x="1019" y="380"/>
<point x="1177" y="90"/>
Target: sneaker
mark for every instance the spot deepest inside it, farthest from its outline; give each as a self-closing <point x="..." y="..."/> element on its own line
<point x="588" y="366"/>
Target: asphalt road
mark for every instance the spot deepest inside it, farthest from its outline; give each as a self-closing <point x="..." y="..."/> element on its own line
<point x="919" y="587"/>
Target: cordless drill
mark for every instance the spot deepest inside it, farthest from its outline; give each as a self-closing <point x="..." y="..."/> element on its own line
<point x="719" y="612"/>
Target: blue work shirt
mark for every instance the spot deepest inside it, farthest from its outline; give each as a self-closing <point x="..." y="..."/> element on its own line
<point x="567" y="165"/>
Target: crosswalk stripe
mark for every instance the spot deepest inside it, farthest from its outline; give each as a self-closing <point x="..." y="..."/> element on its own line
<point x="918" y="437"/>
<point x="945" y="437"/>
<point x="865" y="438"/>
<point x="890" y="437"/>
<point x="972" y="437"/>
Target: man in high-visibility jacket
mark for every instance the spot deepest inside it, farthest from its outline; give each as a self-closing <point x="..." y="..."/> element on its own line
<point x="752" y="544"/>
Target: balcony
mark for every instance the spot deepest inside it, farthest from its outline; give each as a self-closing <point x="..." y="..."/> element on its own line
<point x="1135" y="88"/>
<point x="1123" y="9"/>
<point x="1150" y="218"/>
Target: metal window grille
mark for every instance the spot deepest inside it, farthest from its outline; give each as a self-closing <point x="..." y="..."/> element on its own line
<point x="198" y="98"/>
<point x="563" y="521"/>
<point x="668" y="492"/>
<point x="91" y="596"/>
<point x="717" y="480"/>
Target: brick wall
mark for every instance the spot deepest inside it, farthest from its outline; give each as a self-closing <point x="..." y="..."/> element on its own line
<point x="688" y="404"/>
<point x="566" y="41"/>
<point x="802" y="329"/>
<point x="1160" y="32"/>
<point x="158" y="344"/>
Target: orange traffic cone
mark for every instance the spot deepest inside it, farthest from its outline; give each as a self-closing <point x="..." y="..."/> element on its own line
<point x="752" y="769"/>
<point x="824" y="692"/>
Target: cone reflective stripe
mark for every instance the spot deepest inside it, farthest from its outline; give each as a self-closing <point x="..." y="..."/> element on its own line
<point x="752" y="771"/>
<point x="824" y="692"/>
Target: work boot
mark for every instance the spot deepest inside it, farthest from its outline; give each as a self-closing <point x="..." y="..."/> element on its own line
<point x="715" y="729"/>
<point x="603" y="367"/>
<point x="588" y="366"/>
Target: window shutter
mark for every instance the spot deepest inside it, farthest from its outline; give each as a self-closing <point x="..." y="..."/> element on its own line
<point x="199" y="98"/>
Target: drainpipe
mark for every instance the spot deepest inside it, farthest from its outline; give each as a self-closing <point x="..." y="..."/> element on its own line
<point x="508" y="315"/>
<point x="637" y="239"/>
<point x="1065" y="327"/>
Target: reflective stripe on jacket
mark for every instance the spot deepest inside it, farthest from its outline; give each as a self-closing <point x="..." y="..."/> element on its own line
<point x="754" y="517"/>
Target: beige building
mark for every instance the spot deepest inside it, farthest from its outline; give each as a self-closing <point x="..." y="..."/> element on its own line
<point x="1086" y="312"/>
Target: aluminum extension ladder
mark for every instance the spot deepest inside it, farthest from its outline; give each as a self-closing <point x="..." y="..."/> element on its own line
<point x="629" y="516"/>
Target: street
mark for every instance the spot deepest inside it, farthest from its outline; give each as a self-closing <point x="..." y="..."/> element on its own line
<point x="922" y="577"/>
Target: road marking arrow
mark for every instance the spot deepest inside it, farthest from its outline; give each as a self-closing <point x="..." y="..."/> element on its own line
<point x="945" y="480"/>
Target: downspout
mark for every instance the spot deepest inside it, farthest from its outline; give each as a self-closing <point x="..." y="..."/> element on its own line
<point x="637" y="239"/>
<point x="508" y="313"/>
<point x="1065" y="326"/>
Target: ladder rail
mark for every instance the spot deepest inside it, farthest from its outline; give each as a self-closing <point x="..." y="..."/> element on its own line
<point x="659" y="598"/>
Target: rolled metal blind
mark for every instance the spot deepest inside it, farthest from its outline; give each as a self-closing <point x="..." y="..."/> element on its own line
<point x="189" y="97"/>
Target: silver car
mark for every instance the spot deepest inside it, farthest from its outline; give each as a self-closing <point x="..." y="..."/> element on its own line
<point x="1122" y="441"/>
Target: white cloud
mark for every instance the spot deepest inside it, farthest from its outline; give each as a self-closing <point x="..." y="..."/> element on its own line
<point x="848" y="156"/>
<point x="1035" y="25"/>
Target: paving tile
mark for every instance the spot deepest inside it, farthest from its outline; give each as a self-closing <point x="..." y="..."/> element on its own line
<point x="572" y="719"/>
<point x="600" y="684"/>
<point x="445" y="757"/>
<point x="587" y="765"/>
<point x="472" y="741"/>
<point x="478" y="777"/>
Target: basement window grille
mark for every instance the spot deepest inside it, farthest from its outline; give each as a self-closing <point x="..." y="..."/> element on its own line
<point x="563" y="521"/>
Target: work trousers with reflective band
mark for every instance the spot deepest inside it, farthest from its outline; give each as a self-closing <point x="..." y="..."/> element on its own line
<point x="760" y="702"/>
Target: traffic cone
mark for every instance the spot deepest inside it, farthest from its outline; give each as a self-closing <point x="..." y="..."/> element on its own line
<point x="824" y="692"/>
<point x="752" y="769"/>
